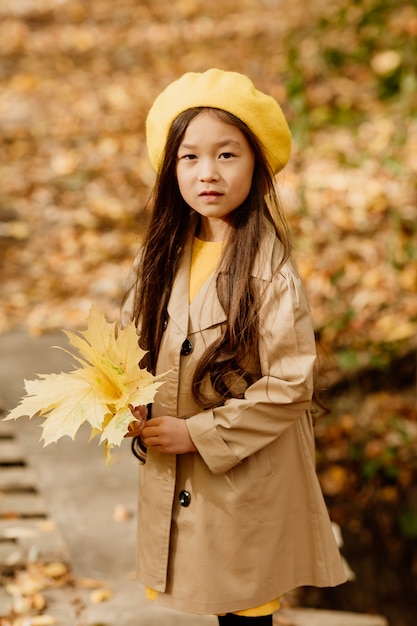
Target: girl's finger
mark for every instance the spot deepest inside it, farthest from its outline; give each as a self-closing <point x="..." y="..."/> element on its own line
<point x="149" y="431"/>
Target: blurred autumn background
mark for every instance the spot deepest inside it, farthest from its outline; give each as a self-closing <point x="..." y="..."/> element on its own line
<point x="77" y="79"/>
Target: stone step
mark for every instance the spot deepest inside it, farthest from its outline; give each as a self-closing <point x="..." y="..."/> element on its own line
<point x="17" y="478"/>
<point x="26" y="505"/>
<point x="34" y="538"/>
<point x="7" y="429"/>
<point x="10" y="452"/>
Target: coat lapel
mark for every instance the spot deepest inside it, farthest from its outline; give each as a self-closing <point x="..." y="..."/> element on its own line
<point x="179" y="299"/>
<point x="205" y="310"/>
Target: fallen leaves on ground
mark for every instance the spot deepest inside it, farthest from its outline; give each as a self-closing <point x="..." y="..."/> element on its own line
<point x="29" y="586"/>
<point x="367" y="461"/>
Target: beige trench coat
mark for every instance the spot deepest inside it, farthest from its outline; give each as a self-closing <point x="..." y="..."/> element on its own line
<point x="255" y="524"/>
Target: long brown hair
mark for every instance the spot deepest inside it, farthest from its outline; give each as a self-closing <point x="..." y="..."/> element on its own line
<point x="231" y="357"/>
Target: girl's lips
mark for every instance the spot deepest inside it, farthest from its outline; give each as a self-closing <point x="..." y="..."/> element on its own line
<point x="210" y="196"/>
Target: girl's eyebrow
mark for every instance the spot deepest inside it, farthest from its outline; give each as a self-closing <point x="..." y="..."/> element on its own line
<point x="220" y="144"/>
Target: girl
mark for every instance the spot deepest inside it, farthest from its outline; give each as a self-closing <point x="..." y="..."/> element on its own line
<point x="231" y="514"/>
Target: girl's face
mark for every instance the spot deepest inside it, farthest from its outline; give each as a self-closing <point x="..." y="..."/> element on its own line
<point x="214" y="170"/>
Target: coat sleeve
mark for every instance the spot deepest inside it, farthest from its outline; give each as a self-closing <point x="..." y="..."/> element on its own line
<point x="226" y="435"/>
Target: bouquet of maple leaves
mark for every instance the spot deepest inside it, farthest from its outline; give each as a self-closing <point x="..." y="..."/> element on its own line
<point x="101" y="392"/>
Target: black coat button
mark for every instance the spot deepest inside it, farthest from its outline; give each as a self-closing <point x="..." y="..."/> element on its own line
<point x="186" y="348"/>
<point x="185" y="498"/>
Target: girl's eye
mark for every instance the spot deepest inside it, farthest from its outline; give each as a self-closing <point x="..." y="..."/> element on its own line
<point x="226" y="155"/>
<point x="187" y="157"/>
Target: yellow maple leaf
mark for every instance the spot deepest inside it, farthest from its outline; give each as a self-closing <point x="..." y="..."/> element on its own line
<point x="99" y="392"/>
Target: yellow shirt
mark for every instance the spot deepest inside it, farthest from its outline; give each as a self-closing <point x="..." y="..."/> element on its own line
<point x="264" y="609"/>
<point x="205" y="257"/>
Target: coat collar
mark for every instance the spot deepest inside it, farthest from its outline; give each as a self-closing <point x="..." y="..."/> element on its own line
<point x="206" y="310"/>
<point x="178" y="303"/>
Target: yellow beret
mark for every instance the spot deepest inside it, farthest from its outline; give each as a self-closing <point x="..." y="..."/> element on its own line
<point x="230" y="91"/>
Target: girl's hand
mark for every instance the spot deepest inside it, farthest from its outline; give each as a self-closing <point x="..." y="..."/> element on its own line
<point x="167" y="434"/>
<point x="140" y="413"/>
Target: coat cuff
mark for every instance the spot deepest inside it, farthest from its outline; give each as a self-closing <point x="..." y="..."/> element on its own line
<point x="211" y="447"/>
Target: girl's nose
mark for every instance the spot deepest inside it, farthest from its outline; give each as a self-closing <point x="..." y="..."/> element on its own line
<point x="208" y="170"/>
